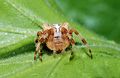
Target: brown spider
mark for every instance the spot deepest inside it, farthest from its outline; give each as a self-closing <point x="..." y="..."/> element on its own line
<point x="57" y="38"/>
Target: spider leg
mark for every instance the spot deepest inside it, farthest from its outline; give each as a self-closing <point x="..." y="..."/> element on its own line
<point x="82" y="39"/>
<point x="37" y="49"/>
<point x="72" y="42"/>
<point x="38" y="41"/>
<point x="35" y="55"/>
<point x="40" y="55"/>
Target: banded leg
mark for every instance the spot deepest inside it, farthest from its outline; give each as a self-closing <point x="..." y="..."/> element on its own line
<point x="35" y="55"/>
<point x="37" y="44"/>
<point x="38" y="50"/>
<point x="82" y="39"/>
<point x="73" y="44"/>
<point x="38" y="41"/>
<point x="40" y="55"/>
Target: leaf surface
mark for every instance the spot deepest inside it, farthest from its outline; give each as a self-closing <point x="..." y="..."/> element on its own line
<point x="19" y="22"/>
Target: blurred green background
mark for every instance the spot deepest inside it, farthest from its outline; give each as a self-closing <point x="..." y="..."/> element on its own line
<point x="101" y="16"/>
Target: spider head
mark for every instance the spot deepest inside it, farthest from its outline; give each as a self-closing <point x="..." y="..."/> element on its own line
<point x="56" y="28"/>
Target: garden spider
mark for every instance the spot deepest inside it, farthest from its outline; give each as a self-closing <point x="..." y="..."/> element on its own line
<point x="57" y="38"/>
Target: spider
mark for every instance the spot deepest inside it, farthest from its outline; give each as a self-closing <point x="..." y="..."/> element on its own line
<point x="57" y="38"/>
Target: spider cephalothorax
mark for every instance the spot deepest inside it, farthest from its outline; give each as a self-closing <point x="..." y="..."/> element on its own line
<point x="57" y="38"/>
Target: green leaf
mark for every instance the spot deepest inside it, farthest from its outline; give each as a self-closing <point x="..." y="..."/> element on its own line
<point x="19" y="22"/>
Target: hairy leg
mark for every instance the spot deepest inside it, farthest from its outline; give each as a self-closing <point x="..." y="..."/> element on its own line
<point x="40" y="55"/>
<point x="82" y="39"/>
<point x="72" y="42"/>
<point x="37" y="45"/>
<point x="36" y="50"/>
<point x="40" y="39"/>
<point x="35" y="55"/>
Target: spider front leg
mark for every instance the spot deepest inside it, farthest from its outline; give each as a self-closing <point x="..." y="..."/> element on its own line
<point x="82" y="39"/>
<point x="38" y="50"/>
<point x="72" y="42"/>
<point x="38" y="42"/>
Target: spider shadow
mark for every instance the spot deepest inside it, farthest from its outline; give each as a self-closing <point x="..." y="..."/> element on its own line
<point x="46" y="50"/>
<point x="23" y="49"/>
<point x="31" y="48"/>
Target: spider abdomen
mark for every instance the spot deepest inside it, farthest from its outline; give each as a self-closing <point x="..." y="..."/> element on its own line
<point x="58" y="44"/>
